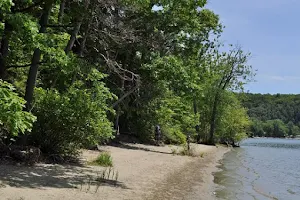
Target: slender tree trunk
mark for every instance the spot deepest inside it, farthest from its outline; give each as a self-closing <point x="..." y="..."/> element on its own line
<point x="195" y="106"/>
<point x="117" y="122"/>
<point x="213" y="120"/>
<point x="61" y="11"/>
<point x="73" y="37"/>
<point x="76" y="29"/>
<point x="31" y="80"/>
<point x="197" y="126"/>
<point x="82" y="45"/>
<point x="222" y="86"/>
<point x="32" y="75"/>
<point x="4" y="46"/>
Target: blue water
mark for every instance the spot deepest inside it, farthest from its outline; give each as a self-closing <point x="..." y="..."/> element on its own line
<point x="261" y="169"/>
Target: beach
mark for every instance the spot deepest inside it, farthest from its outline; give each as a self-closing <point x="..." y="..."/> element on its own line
<point x="143" y="172"/>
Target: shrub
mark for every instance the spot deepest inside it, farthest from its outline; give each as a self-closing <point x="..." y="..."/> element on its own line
<point x="173" y="135"/>
<point x="13" y="120"/>
<point x="104" y="160"/>
<point x="71" y="120"/>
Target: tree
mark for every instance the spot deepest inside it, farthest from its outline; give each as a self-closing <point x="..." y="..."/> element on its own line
<point x="85" y="65"/>
<point x="256" y="128"/>
<point x="234" y="121"/>
<point x="280" y="129"/>
<point x="231" y="72"/>
<point x="33" y="70"/>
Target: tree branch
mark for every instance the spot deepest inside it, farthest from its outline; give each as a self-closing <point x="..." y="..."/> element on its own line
<point x="113" y="65"/>
<point x="60" y="25"/>
<point x="22" y="66"/>
<point x="28" y="8"/>
<point x="124" y="96"/>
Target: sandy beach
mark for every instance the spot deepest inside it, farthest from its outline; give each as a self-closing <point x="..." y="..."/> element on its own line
<point x="144" y="173"/>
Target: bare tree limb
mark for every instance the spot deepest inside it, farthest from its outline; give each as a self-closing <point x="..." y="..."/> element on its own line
<point x="124" y="96"/>
<point x="113" y="65"/>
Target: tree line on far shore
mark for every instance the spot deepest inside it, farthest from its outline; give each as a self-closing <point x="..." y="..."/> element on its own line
<point x="74" y="73"/>
<point x="275" y="115"/>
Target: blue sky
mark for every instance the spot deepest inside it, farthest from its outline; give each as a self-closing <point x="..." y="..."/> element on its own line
<point x="270" y="30"/>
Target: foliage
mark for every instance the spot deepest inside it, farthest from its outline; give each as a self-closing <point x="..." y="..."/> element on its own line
<point x="273" y="115"/>
<point x="173" y="135"/>
<point x="235" y="124"/>
<point x="104" y="160"/>
<point x="273" y="128"/>
<point x="5" y="5"/>
<point x="269" y="107"/>
<point x="71" y="120"/>
<point x="173" y="115"/>
<point x="70" y="59"/>
<point x="13" y="120"/>
<point x="257" y="128"/>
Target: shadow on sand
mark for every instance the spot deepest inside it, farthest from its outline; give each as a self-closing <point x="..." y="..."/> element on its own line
<point x="56" y="176"/>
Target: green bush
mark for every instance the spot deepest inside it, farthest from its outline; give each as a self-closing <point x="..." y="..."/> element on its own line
<point x="173" y="135"/>
<point x="104" y="160"/>
<point x="13" y="120"/>
<point x="72" y="120"/>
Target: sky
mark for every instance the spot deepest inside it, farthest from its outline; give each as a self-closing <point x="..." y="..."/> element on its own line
<point x="270" y="30"/>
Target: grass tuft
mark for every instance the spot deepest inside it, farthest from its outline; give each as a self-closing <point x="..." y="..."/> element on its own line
<point x="104" y="160"/>
<point x="202" y="154"/>
<point x="186" y="152"/>
<point x="174" y="151"/>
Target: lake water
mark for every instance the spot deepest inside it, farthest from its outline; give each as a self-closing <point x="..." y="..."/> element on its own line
<point x="261" y="169"/>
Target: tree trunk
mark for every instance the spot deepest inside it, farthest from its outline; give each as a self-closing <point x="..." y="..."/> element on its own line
<point x="197" y="126"/>
<point x="213" y="120"/>
<point x="82" y="45"/>
<point x="61" y="11"/>
<point x="73" y="37"/>
<point x="4" y="50"/>
<point x="76" y="29"/>
<point x="117" y="121"/>
<point x="195" y="106"/>
<point x="31" y="80"/>
<point x="32" y="75"/>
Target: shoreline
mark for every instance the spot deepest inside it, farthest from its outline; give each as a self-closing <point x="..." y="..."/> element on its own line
<point x="145" y="172"/>
<point x="197" y="179"/>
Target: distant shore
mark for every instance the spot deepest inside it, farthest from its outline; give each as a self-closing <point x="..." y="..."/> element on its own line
<point x="145" y="172"/>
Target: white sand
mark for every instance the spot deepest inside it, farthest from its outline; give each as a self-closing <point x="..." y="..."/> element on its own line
<point x="145" y="172"/>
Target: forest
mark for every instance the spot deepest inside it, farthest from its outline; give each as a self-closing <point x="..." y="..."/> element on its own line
<point x="275" y="115"/>
<point x="75" y="73"/>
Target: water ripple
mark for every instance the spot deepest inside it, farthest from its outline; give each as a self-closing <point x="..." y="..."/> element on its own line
<point x="261" y="169"/>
